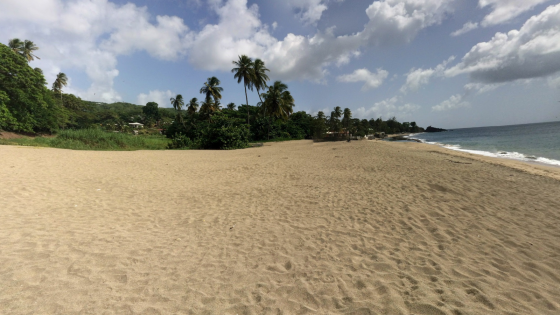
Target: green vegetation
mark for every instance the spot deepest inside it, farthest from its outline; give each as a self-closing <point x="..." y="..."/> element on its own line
<point x="26" y="105"/>
<point x="94" y="139"/>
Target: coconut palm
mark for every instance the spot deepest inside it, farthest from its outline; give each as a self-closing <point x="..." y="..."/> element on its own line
<point x="346" y="118"/>
<point x="278" y="102"/>
<point x="178" y="103"/>
<point x="319" y="125"/>
<point x="259" y="76"/>
<point x="60" y="81"/>
<point x="212" y="89"/>
<point x="231" y="106"/>
<point x="244" y="72"/>
<point x="208" y="107"/>
<point x="338" y="112"/>
<point x="193" y="106"/>
<point x="27" y="50"/>
<point x="16" y="45"/>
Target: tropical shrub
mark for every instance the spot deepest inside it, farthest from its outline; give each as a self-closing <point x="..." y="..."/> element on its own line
<point x="223" y="133"/>
<point x="180" y="141"/>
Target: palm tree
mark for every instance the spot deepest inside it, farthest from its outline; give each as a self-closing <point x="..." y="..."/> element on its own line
<point x="16" y="45"/>
<point x="278" y="102"/>
<point x="244" y="72"/>
<point x="259" y="76"/>
<point x="338" y="112"/>
<point x="193" y="106"/>
<point x="61" y="80"/>
<point x="178" y="103"/>
<point x="231" y="106"/>
<point x="27" y="50"/>
<point x="319" y="125"/>
<point x="212" y="89"/>
<point x="208" y="107"/>
<point x="346" y="118"/>
<point x="334" y="120"/>
<point x="346" y="121"/>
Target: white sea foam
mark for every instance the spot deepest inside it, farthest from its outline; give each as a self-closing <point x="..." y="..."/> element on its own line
<point x="500" y="154"/>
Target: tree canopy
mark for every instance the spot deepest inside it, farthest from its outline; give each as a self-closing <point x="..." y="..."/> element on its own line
<point x="25" y="103"/>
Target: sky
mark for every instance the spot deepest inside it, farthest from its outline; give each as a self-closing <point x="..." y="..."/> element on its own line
<point x="444" y="63"/>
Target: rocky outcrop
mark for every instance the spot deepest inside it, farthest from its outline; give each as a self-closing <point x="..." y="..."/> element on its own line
<point x="434" y="129"/>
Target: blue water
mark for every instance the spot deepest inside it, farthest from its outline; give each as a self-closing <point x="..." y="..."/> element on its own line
<point x="530" y="142"/>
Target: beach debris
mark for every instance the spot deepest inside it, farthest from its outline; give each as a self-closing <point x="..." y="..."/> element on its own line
<point x="231" y="228"/>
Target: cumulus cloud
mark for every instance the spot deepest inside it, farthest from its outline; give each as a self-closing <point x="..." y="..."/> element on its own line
<point x="160" y="97"/>
<point x="467" y="27"/>
<point x="415" y="78"/>
<point x="399" y="21"/>
<point x="505" y="10"/>
<point x="454" y="102"/>
<point x="89" y="36"/>
<point x="310" y="11"/>
<point x="387" y="108"/>
<point x="533" y="51"/>
<point x="240" y="31"/>
<point x="371" y="80"/>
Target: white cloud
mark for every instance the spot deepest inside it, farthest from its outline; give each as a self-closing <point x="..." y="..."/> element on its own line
<point x="387" y="108"/>
<point x="505" y="10"/>
<point x="467" y="27"/>
<point x="371" y="80"/>
<point x="240" y="31"/>
<point x="418" y="77"/>
<point x="310" y="11"/>
<point x="160" y="97"/>
<point x="480" y="88"/>
<point x="533" y="51"/>
<point x="274" y="25"/>
<point x="89" y="36"/>
<point x="455" y="101"/>
<point x="399" y="21"/>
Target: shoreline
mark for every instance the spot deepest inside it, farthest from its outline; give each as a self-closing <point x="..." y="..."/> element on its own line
<point x="536" y="168"/>
<point x="489" y="154"/>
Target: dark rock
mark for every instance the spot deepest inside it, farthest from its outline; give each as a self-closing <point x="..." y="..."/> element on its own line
<point x="434" y="129"/>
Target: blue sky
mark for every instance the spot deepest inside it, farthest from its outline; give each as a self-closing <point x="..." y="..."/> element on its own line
<point x="446" y="63"/>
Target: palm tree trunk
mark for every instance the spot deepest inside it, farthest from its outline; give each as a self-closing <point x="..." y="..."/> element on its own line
<point x="247" y="100"/>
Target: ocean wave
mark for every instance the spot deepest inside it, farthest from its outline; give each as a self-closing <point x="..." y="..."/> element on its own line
<point x="500" y="154"/>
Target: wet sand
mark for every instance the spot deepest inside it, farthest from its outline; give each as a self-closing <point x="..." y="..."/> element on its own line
<point x="366" y="227"/>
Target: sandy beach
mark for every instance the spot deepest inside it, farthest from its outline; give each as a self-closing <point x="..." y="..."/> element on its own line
<point x="366" y="227"/>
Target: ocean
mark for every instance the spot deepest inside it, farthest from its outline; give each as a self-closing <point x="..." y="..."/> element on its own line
<point x="531" y="142"/>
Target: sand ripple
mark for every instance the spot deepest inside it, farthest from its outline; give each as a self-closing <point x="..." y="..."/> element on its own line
<point x="290" y="228"/>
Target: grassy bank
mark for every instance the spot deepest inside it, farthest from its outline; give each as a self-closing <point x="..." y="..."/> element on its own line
<point x="93" y="139"/>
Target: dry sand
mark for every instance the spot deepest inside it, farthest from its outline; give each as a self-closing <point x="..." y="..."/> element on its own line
<point x="365" y="227"/>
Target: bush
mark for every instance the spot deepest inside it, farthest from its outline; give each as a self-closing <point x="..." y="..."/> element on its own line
<point x="223" y="133"/>
<point x="180" y="141"/>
